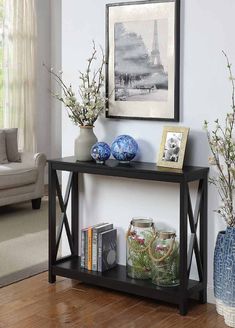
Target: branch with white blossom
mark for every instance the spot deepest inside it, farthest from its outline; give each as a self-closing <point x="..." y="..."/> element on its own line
<point x="91" y="103"/>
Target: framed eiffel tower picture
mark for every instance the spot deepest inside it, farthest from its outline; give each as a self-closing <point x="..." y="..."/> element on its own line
<point x="143" y="60"/>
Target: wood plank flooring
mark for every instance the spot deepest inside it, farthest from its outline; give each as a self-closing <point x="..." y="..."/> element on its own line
<point x="34" y="303"/>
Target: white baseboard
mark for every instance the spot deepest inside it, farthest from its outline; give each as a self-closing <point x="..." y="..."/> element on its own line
<point x="210" y="295"/>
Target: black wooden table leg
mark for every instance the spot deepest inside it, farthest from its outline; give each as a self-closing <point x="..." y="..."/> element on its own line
<point x="74" y="213"/>
<point x="203" y="239"/>
<point x="183" y="306"/>
<point x="52" y="221"/>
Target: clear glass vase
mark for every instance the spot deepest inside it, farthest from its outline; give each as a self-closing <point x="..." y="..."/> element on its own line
<point x="139" y="235"/>
<point x="164" y="254"/>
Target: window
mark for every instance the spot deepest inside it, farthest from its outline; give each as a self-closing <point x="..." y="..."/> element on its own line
<point x="17" y="68"/>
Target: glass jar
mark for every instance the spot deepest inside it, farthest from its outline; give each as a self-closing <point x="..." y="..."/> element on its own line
<point x="164" y="254"/>
<point x="139" y="235"/>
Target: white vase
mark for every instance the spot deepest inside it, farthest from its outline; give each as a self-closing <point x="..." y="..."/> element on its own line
<point x="83" y="143"/>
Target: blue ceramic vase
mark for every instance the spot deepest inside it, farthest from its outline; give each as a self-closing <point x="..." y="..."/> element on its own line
<point x="224" y="275"/>
<point x="218" y="271"/>
<point x="228" y="295"/>
<point x="100" y="152"/>
<point x="124" y="148"/>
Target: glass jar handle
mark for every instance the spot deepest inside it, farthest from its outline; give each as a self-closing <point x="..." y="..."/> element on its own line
<point x="169" y="252"/>
<point x="128" y="234"/>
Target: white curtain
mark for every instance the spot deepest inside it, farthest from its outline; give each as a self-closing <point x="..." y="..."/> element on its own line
<point x="19" y="62"/>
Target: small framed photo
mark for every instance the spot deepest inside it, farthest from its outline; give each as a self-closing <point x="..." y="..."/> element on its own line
<point x="143" y="60"/>
<point x="172" y="147"/>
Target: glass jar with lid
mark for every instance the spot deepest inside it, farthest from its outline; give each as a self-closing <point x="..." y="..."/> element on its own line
<point x="164" y="254"/>
<point x="139" y="235"/>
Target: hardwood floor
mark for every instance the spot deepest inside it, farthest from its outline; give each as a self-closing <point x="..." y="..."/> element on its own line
<point x="34" y="303"/>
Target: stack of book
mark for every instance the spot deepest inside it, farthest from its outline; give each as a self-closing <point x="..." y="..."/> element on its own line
<point x="99" y="247"/>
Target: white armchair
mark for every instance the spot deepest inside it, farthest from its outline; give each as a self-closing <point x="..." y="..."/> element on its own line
<point x="22" y="181"/>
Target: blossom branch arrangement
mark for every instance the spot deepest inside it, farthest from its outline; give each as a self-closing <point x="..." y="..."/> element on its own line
<point x="84" y="112"/>
<point x="222" y="145"/>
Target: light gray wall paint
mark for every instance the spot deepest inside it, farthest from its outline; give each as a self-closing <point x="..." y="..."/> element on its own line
<point x="48" y="122"/>
<point x="56" y="54"/>
<point x="43" y="78"/>
<point x="206" y="29"/>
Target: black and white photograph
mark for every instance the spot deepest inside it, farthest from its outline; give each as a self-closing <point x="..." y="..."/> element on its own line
<point x="141" y="66"/>
<point x="142" y="60"/>
<point x="172" y="147"/>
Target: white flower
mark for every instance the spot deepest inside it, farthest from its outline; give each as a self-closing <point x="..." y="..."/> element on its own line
<point x="230" y="117"/>
<point x="73" y="99"/>
<point x="212" y="160"/>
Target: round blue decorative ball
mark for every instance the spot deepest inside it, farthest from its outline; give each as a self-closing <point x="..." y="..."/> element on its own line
<point x="100" y="152"/>
<point x="124" y="148"/>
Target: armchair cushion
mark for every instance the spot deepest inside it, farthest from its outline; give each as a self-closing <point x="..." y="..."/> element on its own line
<point x="12" y="145"/>
<point x="3" y="154"/>
<point x="17" y="174"/>
<point x="24" y="180"/>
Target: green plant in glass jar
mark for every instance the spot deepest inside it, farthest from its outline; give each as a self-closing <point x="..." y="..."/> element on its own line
<point x="139" y="236"/>
<point x="164" y="254"/>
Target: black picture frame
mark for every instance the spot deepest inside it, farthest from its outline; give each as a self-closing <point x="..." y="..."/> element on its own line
<point x="175" y="112"/>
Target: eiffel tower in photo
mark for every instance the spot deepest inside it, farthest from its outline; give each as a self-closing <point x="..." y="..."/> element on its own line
<point x="155" y="53"/>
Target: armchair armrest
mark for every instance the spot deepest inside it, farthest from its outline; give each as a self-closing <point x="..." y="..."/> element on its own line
<point x="38" y="159"/>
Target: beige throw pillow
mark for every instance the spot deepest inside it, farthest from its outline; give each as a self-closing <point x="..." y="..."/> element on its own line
<point x="3" y="154"/>
<point x="12" y="145"/>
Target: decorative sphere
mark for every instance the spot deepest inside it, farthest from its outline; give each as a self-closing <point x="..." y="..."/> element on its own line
<point x="100" y="152"/>
<point x="124" y="148"/>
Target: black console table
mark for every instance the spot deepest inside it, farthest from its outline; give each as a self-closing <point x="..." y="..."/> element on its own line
<point x="116" y="278"/>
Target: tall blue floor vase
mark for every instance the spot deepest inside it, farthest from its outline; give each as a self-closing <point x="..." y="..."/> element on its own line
<point x="228" y="293"/>
<point x="218" y="271"/>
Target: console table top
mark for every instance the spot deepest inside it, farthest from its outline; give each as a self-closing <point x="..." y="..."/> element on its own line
<point x="139" y="170"/>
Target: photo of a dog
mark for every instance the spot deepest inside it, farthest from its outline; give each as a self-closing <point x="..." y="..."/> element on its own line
<point x="172" y="147"/>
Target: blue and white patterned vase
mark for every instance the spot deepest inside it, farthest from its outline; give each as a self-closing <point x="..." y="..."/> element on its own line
<point x="124" y="148"/>
<point x="218" y="271"/>
<point x="100" y="152"/>
<point x="228" y="294"/>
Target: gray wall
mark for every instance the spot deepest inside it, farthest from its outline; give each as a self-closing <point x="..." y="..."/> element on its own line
<point x="206" y="29"/>
<point x="48" y="123"/>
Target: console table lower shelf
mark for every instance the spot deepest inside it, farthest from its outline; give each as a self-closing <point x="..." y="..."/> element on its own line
<point x="117" y="279"/>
